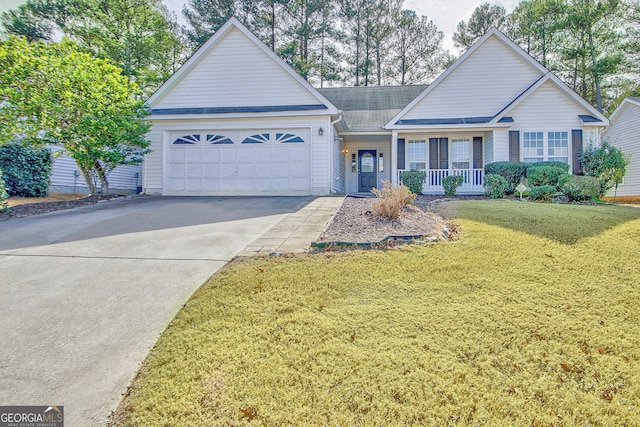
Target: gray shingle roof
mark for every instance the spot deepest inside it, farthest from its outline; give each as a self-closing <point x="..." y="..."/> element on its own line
<point x="370" y="107"/>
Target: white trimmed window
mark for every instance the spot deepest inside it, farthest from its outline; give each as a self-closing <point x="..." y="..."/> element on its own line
<point x="417" y="155"/>
<point x="460" y="157"/>
<point x="558" y="149"/>
<point x="533" y="147"/>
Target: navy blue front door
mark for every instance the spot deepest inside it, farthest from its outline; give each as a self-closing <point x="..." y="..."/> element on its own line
<point x="366" y="170"/>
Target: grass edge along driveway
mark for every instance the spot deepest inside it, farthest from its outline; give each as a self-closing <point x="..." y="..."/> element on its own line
<point x="510" y="325"/>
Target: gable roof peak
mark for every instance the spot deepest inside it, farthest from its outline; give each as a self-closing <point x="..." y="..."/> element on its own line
<point x="216" y="38"/>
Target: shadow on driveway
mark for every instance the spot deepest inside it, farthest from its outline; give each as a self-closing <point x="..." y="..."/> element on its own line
<point x="138" y="215"/>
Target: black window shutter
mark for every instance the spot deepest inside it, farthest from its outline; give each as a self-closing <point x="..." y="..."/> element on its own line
<point x="401" y="161"/>
<point x="433" y="153"/>
<point x="444" y="153"/>
<point x="477" y="152"/>
<point x="514" y="145"/>
<point x="576" y="150"/>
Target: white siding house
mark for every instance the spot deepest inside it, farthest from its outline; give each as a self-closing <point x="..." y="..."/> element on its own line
<point x="235" y="119"/>
<point x="66" y="177"/>
<point x="495" y="103"/>
<point x="624" y="133"/>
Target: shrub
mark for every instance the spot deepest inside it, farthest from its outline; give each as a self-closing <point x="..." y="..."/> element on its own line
<point x="451" y="184"/>
<point x="390" y="201"/>
<point x="580" y="188"/>
<point x="607" y="163"/>
<point x="495" y="186"/>
<point x="26" y="169"/>
<point x="3" y="195"/>
<point x="563" y="179"/>
<point x="414" y="179"/>
<point x="513" y="172"/>
<point x="562" y="165"/>
<point x="543" y="192"/>
<point x="544" y="175"/>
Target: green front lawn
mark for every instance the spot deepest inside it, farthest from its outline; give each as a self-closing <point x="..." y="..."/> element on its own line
<point x="531" y="318"/>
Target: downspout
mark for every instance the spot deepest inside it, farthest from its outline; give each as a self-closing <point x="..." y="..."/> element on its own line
<point x="331" y="166"/>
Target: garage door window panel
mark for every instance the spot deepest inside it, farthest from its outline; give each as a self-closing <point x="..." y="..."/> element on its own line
<point x="187" y="140"/>
<point x="257" y="139"/>
<point x="218" y="139"/>
<point x="287" y="138"/>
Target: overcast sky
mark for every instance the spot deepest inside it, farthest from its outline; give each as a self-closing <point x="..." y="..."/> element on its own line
<point x="445" y="13"/>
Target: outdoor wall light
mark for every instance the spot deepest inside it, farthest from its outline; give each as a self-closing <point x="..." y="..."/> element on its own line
<point x="320" y="131"/>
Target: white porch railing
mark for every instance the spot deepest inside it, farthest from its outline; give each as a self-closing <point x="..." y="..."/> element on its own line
<point x="472" y="183"/>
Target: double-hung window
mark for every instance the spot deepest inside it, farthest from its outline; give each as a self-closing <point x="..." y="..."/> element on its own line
<point x="558" y="149"/>
<point x="545" y="146"/>
<point x="460" y="157"/>
<point x="533" y="147"/>
<point x="417" y="155"/>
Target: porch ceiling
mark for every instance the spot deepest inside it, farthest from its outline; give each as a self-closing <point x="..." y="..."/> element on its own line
<point x="372" y="138"/>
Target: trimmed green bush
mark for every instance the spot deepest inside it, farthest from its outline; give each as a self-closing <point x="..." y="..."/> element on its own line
<point x="580" y="188"/>
<point x="543" y="192"/>
<point x="544" y="175"/>
<point x="414" y="179"/>
<point x="3" y="195"/>
<point x="26" y="169"/>
<point x="495" y="186"/>
<point x="513" y="172"/>
<point x="451" y="183"/>
<point x="562" y="165"/>
<point x="563" y="179"/>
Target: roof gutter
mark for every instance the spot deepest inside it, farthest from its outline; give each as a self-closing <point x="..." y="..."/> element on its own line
<point x="333" y="123"/>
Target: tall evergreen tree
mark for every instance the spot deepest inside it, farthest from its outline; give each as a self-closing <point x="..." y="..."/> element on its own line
<point x="204" y="17"/>
<point x="483" y="18"/>
<point x="536" y="24"/>
<point x="593" y="45"/>
<point x="418" y="55"/>
<point x="263" y="18"/>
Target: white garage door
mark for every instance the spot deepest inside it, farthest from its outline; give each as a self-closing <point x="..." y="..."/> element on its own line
<point x="239" y="162"/>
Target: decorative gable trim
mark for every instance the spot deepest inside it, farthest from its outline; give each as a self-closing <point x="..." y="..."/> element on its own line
<point x="215" y="40"/>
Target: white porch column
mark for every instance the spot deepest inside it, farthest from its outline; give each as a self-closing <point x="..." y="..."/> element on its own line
<point x="394" y="157"/>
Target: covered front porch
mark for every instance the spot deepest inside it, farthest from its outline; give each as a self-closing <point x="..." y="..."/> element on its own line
<point x="443" y="154"/>
<point x="473" y="182"/>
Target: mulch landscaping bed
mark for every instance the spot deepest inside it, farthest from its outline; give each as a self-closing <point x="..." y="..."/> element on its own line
<point x="37" y="208"/>
<point x="354" y="223"/>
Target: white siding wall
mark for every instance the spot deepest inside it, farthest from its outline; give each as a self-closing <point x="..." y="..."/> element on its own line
<point x="548" y="108"/>
<point x="624" y="133"/>
<point x="235" y="73"/>
<point x="122" y="179"/>
<point x="154" y="179"/>
<point x="488" y="147"/>
<point x="338" y="164"/>
<point x="153" y="166"/>
<point x="501" y="145"/>
<point x="481" y="86"/>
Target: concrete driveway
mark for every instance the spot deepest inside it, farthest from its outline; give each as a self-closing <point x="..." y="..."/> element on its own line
<point x="85" y="293"/>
